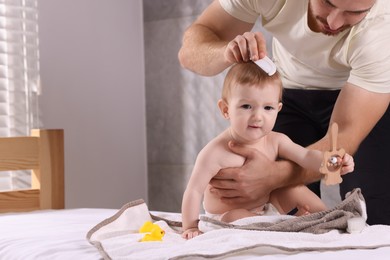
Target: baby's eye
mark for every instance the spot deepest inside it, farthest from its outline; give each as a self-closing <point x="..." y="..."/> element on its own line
<point x="269" y="108"/>
<point x="246" y="106"/>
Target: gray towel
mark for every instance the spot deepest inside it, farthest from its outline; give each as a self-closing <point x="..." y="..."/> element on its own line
<point x="316" y="223"/>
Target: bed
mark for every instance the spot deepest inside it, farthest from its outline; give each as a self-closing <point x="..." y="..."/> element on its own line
<point x="35" y="225"/>
<point x="33" y="222"/>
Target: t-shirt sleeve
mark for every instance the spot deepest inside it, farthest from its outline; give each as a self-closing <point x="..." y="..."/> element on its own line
<point x="369" y="57"/>
<point x="246" y="10"/>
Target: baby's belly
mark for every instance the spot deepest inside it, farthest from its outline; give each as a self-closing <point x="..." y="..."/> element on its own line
<point x="214" y="205"/>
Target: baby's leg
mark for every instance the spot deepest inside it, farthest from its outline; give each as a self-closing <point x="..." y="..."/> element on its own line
<point x="300" y="197"/>
<point x="236" y="214"/>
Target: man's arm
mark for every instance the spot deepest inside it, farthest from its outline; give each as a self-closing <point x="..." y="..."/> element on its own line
<point x="216" y="40"/>
<point x="356" y="112"/>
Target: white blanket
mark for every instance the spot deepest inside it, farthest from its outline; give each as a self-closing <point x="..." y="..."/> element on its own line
<point x="118" y="238"/>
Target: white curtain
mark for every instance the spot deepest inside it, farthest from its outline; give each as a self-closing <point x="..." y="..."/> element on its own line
<point x="19" y="75"/>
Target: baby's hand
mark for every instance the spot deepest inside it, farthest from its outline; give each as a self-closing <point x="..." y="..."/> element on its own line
<point x="191" y="233"/>
<point x="347" y="164"/>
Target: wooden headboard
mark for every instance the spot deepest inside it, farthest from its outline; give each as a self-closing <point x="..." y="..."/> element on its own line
<point x="43" y="153"/>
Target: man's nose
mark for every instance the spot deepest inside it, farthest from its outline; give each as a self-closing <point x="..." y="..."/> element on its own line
<point x="335" y="19"/>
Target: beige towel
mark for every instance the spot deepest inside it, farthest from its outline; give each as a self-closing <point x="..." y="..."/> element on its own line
<point x="316" y="223"/>
<point x="118" y="238"/>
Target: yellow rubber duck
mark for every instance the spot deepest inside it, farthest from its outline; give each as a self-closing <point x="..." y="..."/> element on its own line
<point x="153" y="232"/>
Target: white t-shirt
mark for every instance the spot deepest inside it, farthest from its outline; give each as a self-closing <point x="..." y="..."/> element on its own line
<point x="309" y="60"/>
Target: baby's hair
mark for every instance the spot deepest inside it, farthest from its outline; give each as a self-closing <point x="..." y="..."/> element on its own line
<point x="249" y="74"/>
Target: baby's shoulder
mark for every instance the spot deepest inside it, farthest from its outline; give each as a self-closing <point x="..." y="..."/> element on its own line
<point x="276" y="137"/>
<point x="217" y="145"/>
<point x="218" y="151"/>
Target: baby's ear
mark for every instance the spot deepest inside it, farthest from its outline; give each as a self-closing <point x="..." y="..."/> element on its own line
<point x="280" y="105"/>
<point x="224" y="108"/>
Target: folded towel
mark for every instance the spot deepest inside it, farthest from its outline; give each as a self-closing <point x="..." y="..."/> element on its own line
<point x="118" y="238"/>
<point x="316" y="223"/>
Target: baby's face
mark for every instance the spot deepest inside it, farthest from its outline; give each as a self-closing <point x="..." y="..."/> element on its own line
<point x="253" y="111"/>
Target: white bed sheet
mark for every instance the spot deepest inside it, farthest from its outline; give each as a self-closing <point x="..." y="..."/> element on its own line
<point x="61" y="234"/>
<point x="54" y="234"/>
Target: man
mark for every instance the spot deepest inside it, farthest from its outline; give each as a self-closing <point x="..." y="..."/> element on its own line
<point x="335" y="65"/>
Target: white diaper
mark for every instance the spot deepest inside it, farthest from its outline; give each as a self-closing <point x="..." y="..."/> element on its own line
<point x="266" y="210"/>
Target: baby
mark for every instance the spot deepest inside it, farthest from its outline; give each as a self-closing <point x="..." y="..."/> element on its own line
<point x="251" y="100"/>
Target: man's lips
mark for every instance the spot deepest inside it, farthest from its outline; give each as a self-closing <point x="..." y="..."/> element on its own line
<point x="325" y="27"/>
<point x="328" y="30"/>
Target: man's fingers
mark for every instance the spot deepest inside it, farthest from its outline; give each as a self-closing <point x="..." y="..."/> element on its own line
<point x="233" y="200"/>
<point x="261" y="44"/>
<point x="224" y="193"/>
<point x="249" y="46"/>
<point x="232" y="174"/>
<point x="241" y="150"/>
<point x="228" y="196"/>
<point x="257" y="47"/>
<point x="233" y="53"/>
<point x="242" y="43"/>
<point x="222" y="181"/>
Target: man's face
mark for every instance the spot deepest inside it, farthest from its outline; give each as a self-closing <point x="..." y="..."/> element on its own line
<point x="331" y="17"/>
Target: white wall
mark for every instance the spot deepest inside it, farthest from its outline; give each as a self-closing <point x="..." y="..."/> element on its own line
<point x="92" y="73"/>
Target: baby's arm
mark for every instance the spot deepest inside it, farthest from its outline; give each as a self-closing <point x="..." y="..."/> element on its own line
<point x="190" y="212"/>
<point x="307" y="158"/>
<point x="206" y="166"/>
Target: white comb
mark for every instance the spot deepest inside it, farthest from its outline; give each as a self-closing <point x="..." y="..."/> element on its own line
<point x="267" y="65"/>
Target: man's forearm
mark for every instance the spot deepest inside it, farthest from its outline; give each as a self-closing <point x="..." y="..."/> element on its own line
<point x="202" y="51"/>
<point x="288" y="173"/>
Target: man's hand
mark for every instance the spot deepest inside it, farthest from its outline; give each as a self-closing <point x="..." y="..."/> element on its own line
<point x="245" y="47"/>
<point x="211" y="45"/>
<point x="251" y="182"/>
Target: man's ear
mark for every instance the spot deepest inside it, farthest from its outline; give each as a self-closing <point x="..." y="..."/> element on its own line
<point x="280" y="106"/>
<point x="224" y="108"/>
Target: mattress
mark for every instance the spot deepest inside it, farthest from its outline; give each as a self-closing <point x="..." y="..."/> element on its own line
<point x="61" y="234"/>
<point x="51" y="234"/>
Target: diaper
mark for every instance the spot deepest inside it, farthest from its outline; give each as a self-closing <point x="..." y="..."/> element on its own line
<point x="265" y="210"/>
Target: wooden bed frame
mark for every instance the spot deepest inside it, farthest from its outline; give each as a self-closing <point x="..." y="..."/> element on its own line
<point x="43" y="153"/>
